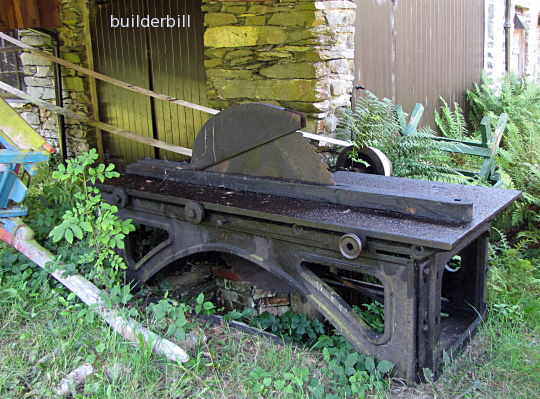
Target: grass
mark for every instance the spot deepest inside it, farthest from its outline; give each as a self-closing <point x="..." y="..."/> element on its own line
<point x="502" y="362"/>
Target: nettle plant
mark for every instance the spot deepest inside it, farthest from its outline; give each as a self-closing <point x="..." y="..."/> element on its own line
<point x="91" y="226"/>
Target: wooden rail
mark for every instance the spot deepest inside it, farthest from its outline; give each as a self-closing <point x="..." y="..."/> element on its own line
<point x="143" y="91"/>
<point x="100" y="125"/>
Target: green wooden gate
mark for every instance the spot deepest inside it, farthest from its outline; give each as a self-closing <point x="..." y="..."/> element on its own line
<point x="163" y="59"/>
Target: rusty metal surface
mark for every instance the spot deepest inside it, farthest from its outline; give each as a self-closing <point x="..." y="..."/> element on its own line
<point x="294" y="248"/>
<point x="415" y="51"/>
<point x="323" y="214"/>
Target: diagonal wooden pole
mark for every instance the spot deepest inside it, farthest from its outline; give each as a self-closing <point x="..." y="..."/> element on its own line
<point x="101" y="125"/>
<point x="15" y="233"/>
<point x="146" y="92"/>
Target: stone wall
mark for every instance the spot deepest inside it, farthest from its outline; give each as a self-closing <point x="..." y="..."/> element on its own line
<point x="495" y="38"/>
<point x="293" y="53"/>
<point x="40" y="82"/>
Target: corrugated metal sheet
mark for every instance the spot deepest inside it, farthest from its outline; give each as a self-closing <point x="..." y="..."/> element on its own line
<point x="166" y="60"/>
<point x="415" y="51"/>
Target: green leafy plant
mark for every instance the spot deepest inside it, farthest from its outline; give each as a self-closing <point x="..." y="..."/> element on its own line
<point x="519" y="156"/>
<point x="374" y="122"/>
<point x="294" y="327"/>
<point x="452" y="123"/>
<point x="173" y="316"/>
<point x="204" y="307"/>
<point x="373" y="314"/>
<point x="91" y="222"/>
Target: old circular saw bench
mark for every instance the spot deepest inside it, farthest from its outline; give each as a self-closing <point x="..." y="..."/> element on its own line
<point x="256" y="190"/>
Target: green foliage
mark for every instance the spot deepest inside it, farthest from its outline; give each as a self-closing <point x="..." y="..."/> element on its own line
<point x="91" y="223"/>
<point x="452" y="123"/>
<point x="172" y="317"/>
<point x="204" y="307"/>
<point x="294" y="327"/>
<point x="514" y="285"/>
<point x="374" y="123"/>
<point x="356" y="372"/>
<point x="519" y="156"/>
<point x="372" y="314"/>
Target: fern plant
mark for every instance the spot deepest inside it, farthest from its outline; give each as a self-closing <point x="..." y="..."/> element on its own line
<point x="452" y="123"/>
<point x="519" y="156"/>
<point x="374" y="122"/>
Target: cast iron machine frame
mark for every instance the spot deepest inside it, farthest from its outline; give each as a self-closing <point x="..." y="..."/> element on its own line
<point x="318" y="237"/>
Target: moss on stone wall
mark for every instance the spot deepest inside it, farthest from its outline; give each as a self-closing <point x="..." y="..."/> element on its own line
<point x="296" y="53"/>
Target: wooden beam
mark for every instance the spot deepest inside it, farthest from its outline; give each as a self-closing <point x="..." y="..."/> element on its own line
<point x="91" y="80"/>
<point x="108" y="79"/>
<point x="100" y="125"/>
<point x="96" y="75"/>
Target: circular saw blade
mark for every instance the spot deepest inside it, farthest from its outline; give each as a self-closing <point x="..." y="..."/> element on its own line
<point x="289" y="157"/>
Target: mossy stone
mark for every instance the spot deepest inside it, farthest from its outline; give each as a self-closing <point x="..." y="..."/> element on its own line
<point x="305" y="90"/>
<point x="219" y="18"/>
<point x="213" y="62"/>
<point x="229" y="74"/>
<point x="256" y="20"/>
<point x="293" y="70"/>
<point x="241" y="36"/>
<point x="297" y="18"/>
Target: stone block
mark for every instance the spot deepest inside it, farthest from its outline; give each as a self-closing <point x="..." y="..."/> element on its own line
<point x="269" y="55"/>
<point x="322" y="106"/>
<point x="297" y="18"/>
<point x="235" y="9"/>
<point x="259" y="9"/>
<point x="256" y="20"/>
<point x="333" y="4"/>
<point x="216" y="52"/>
<point x="31" y="117"/>
<point x="306" y="90"/>
<point x="73" y="84"/>
<point x="240" y="61"/>
<point x="300" y="49"/>
<point x="72" y="57"/>
<point x="341" y="66"/>
<point x="31" y="59"/>
<point x="304" y="70"/>
<point x="213" y="62"/>
<point x="340" y="17"/>
<point x="36" y="40"/>
<point x="238" y="53"/>
<point x="241" y="36"/>
<point x="30" y="69"/>
<point x="219" y="18"/>
<point x="341" y="101"/>
<point x="229" y="74"/>
<point x="41" y="82"/>
<point x="44" y="93"/>
<point x="43" y="71"/>
<point x="339" y="87"/>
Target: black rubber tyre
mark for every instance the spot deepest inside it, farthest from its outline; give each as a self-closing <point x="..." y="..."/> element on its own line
<point x="379" y="164"/>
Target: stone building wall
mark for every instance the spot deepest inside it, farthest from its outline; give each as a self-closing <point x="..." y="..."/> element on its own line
<point x="39" y="79"/>
<point x="495" y="38"/>
<point x="294" y="53"/>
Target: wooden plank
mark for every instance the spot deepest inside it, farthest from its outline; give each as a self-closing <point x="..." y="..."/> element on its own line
<point x="49" y="12"/>
<point x="100" y="125"/>
<point x="26" y="13"/>
<point x="463" y="148"/>
<point x="414" y="120"/>
<point x="106" y="78"/>
<point x="146" y="92"/>
<point x="91" y="80"/>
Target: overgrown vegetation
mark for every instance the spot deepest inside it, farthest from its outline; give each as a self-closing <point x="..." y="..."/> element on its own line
<point x="374" y="122"/>
<point x="45" y="332"/>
